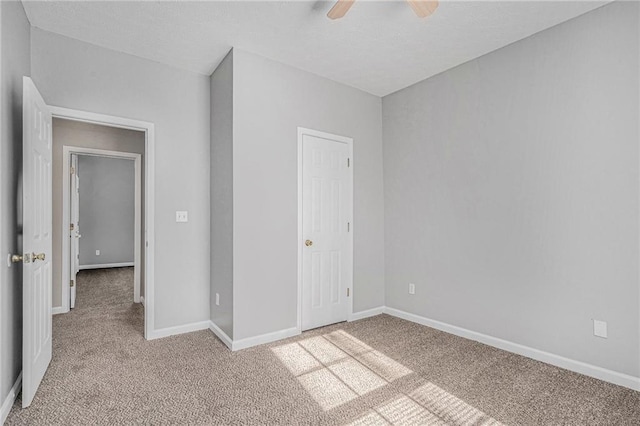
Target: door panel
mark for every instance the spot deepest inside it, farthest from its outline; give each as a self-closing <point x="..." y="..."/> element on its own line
<point x="37" y="240"/>
<point x="326" y="212"/>
<point x="74" y="234"/>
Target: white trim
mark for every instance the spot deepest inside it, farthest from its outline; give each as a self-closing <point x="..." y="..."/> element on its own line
<point x="7" y="404"/>
<point x="178" y="329"/>
<point x="59" y="310"/>
<point x="349" y="141"/>
<point x="2" y="283"/>
<point x="264" y="338"/>
<point x="149" y="194"/>
<point x="366" y="314"/>
<point x="111" y="265"/>
<point x="638" y="313"/>
<point x="137" y="229"/>
<point x="221" y="334"/>
<point x="600" y="373"/>
<point x="248" y="342"/>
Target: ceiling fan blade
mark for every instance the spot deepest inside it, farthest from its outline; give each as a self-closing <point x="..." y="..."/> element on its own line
<point x="423" y="8"/>
<point x="340" y="9"/>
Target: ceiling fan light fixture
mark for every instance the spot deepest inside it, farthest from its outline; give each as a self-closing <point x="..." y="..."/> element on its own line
<point x="340" y="9"/>
<point x="423" y="8"/>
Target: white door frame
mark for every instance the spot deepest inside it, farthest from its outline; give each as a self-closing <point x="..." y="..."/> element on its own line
<point x="331" y="137"/>
<point x="149" y="202"/>
<point x="67" y="150"/>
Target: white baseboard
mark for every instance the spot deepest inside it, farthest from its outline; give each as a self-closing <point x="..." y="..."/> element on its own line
<point x="600" y="373"/>
<point x="264" y="338"/>
<point x="107" y="265"/>
<point x="10" y="399"/>
<point x="221" y="335"/>
<point x="59" y="310"/>
<point x="142" y="300"/>
<point x="236" y="345"/>
<point x="179" y="329"/>
<point x="366" y="314"/>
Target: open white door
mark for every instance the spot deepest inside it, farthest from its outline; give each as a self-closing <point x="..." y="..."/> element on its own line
<point x="74" y="228"/>
<point x="37" y="225"/>
<point x="326" y="229"/>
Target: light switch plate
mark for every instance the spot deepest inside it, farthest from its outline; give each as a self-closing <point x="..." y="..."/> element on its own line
<point x="182" y="216"/>
<point x="600" y="328"/>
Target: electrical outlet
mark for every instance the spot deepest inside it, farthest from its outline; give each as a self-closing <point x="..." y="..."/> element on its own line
<point x="182" y="216"/>
<point x="218" y="299"/>
<point x="412" y="288"/>
<point x="97" y="252"/>
<point x="600" y="328"/>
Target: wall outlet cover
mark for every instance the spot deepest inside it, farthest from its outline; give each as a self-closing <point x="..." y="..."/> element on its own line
<point x="97" y="252"/>
<point x="218" y="299"/>
<point x="182" y="216"/>
<point x="600" y="328"/>
<point x="412" y="288"/>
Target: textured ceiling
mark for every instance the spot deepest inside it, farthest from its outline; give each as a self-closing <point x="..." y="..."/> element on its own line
<point x="379" y="47"/>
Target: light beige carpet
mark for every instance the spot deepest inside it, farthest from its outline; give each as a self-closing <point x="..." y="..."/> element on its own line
<point x="380" y="370"/>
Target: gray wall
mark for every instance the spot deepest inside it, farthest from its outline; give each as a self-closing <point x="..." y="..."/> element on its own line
<point x="511" y="191"/>
<point x="14" y="64"/>
<point x="107" y="210"/>
<point x="86" y="135"/>
<point x="82" y="76"/>
<point x="270" y="101"/>
<point x="222" y="195"/>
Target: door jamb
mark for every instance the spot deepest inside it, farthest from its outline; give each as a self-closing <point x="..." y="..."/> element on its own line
<point x="68" y="150"/>
<point x="335" y="138"/>
<point x="149" y="195"/>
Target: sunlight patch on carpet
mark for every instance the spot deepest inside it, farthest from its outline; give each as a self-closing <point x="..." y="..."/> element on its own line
<point x="450" y="408"/>
<point x="296" y="358"/>
<point x="357" y="376"/>
<point x="382" y="365"/>
<point x="328" y="390"/>
<point x="323" y="350"/>
<point x="336" y="368"/>
<point x="426" y="405"/>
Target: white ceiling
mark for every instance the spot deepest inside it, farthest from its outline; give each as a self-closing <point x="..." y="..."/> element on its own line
<point x="379" y="47"/>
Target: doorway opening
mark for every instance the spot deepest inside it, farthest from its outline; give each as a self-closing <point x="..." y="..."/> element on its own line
<point x="93" y="138"/>
<point x="105" y="213"/>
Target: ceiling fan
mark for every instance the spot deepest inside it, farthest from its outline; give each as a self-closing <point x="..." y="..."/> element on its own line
<point x="422" y="8"/>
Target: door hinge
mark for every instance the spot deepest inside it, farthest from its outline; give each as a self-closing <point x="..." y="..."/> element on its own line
<point x="71" y="227"/>
<point x="348" y="291"/>
<point x="348" y="226"/>
<point x="348" y="162"/>
<point x="72" y="170"/>
<point x="71" y="283"/>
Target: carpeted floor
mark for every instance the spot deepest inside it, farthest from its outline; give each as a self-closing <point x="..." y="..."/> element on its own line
<point x="379" y="370"/>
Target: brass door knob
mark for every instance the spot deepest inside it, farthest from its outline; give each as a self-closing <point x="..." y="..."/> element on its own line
<point x="308" y="243"/>
<point x="16" y="258"/>
<point x="39" y="256"/>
